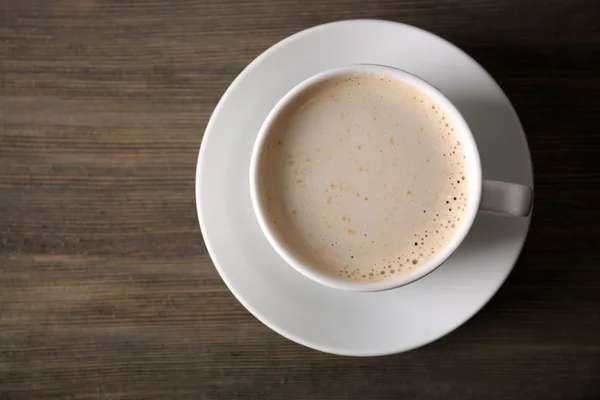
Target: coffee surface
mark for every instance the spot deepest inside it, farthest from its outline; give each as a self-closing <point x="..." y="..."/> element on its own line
<point x="364" y="176"/>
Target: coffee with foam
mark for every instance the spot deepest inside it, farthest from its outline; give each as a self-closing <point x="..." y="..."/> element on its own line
<point x="364" y="176"/>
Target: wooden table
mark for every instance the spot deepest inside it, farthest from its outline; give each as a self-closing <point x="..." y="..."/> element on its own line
<point x="106" y="288"/>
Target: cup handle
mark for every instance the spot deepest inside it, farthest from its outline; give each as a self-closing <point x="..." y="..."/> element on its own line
<point x="506" y="198"/>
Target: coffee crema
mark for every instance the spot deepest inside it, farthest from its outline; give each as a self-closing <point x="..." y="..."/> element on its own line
<point x="364" y="176"/>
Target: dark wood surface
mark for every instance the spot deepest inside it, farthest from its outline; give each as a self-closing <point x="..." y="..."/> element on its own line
<point x="106" y="288"/>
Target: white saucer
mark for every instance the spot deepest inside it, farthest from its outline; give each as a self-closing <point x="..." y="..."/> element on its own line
<point x="358" y="324"/>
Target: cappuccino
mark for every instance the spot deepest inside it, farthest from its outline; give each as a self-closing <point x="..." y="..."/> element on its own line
<point x="364" y="176"/>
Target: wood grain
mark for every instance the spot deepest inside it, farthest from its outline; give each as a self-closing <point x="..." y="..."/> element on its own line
<point x="106" y="289"/>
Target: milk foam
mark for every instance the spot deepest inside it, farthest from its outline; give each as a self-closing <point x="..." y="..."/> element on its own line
<point x="364" y="176"/>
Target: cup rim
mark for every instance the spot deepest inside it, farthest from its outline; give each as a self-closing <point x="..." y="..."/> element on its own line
<point x="312" y="271"/>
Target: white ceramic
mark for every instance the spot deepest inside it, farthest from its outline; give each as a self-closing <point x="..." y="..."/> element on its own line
<point x="499" y="196"/>
<point x="335" y="321"/>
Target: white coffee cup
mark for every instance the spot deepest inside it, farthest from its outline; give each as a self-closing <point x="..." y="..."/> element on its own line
<point x="491" y="196"/>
